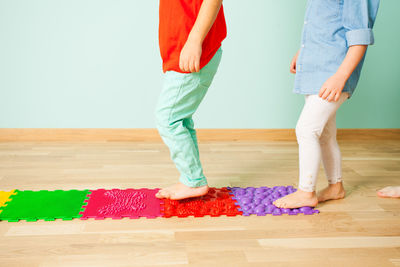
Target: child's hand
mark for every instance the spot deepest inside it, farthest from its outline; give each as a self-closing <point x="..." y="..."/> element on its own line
<point x="189" y="60"/>
<point x="332" y="88"/>
<point x="294" y="62"/>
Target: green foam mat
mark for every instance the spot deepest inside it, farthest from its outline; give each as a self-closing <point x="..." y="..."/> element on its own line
<point x="44" y="205"/>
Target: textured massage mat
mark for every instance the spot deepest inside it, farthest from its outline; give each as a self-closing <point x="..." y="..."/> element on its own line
<point x="216" y="203"/>
<point x="117" y="204"/>
<point x="259" y="201"/>
<point x="136" y="203"/>
<point x="43" y="205"/>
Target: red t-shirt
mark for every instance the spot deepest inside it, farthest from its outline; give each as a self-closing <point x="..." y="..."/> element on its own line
<point x="177" y="18"/>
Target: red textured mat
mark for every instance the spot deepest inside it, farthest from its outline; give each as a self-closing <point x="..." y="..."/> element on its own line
<point x="117" y="204"/>
<point x="216" y="203"/>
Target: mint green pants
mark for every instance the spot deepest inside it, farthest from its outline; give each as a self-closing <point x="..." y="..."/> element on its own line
<point x="180" y="97"/>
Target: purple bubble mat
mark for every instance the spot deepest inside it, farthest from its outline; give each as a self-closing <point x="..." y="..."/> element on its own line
<point x="258" y="201"/>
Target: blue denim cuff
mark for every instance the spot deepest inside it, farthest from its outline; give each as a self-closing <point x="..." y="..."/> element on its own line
<point x="360" y="37"/>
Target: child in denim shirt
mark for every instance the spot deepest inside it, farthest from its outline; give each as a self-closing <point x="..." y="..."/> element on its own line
<point x="335" y="37"/>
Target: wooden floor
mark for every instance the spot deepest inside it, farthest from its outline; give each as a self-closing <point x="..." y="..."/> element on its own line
<point x="361" y="230"/>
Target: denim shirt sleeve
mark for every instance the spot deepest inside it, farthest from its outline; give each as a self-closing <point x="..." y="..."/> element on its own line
<point x="358" y="21"/>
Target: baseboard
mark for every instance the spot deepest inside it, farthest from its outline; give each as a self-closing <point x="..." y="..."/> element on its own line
<point x="151" y="135"/>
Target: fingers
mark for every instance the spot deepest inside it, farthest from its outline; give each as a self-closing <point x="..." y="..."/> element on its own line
<point x="322" y="91"/>
<point x="189" y="65"/>
<point x="189" y="60"/>
<point x="194" y="65"/>
<point x="331" y="96"/>
<point x="181" y="64"/>
<point x="292" y="69"/>
<point x="186" y="65"/>
<point x="197" y="65"/>
<point x="294" y="63"/>
<point x="334" y="96"/>
<point x="337" y="96"/>
<point x="332" y="89"/>
<point x="326" y="93"/>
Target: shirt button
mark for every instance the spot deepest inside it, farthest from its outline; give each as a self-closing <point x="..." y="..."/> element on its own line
<point x="305" y="22"/>
<point x="302" y="45"/>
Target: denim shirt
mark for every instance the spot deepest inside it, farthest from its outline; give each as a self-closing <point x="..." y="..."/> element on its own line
<point x="330" y="28"/>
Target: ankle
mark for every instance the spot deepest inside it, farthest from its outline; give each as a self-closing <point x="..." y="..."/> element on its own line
<point x="338" y="186"/>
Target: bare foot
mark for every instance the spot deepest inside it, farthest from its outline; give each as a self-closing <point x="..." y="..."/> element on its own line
<point x="181" y="191"/>
<point x="297" y="199"/>
<point x="332" y="192"/>
<point x="390" y="191"/>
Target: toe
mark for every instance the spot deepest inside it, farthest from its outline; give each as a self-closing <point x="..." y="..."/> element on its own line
<point x="383" y="191"/>
<point x="380" y="193"/>
<point x="158" y="194"/>
<point x="386" y="193"/>
<point x="167" y="194"/>
<point x="162" y="194"/>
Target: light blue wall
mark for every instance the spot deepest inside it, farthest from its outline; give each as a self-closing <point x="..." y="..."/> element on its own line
<point x="95" y="63"/>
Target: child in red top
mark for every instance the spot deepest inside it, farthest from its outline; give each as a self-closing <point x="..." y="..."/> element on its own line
<point x="190" y="35"/>
<point x="177" y="19"/>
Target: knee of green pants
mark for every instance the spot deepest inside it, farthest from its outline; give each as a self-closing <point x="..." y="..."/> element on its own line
<point x="175" y="130"/>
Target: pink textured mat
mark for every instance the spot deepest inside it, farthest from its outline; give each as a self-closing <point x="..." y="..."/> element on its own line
<point x="117" y="204"/>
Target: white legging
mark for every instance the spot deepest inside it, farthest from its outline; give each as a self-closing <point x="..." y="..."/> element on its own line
<point x="316" y="135"/>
